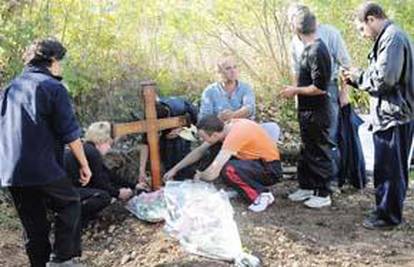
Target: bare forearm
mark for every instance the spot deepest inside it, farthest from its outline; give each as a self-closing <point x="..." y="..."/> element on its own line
<point x="241" y="113"/>
<point x="191" y="158"/>
<point x="310" y="90"/>
<point x="213" y="171"/>
<point x="77" y="150"/>
<point x="143" y="157"/>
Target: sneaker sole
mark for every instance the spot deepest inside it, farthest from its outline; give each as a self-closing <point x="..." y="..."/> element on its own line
<point x="270" y="203"/>
<point x="319" y="207"/>
<point x="299" y="200"/>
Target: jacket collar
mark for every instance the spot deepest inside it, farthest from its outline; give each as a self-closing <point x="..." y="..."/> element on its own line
<point x="377" y="40"/>
<point x="40" y="69"/>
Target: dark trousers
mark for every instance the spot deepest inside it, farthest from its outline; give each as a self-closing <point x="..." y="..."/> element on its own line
<point x="173" y="151"/>
<point x="315" y="164"/>
<point x="92" y="202"/>
<point x="333" y="91"/>
<point x="32" y="203"/>
<point x="251" y="177"/>
<point x="392" y="148"/>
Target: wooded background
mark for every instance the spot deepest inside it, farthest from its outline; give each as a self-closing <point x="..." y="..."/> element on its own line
<point x="112" y="45"/>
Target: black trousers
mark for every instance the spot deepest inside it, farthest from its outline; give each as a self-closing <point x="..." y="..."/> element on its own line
<point x="251" y="177"/>
<point x="92" y="202"/>
<point x="392" y="148"/>
<point x="316" y="165"/>
<point x="32" y="203"/>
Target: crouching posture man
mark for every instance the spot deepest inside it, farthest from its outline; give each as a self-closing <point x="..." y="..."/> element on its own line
<point x="248" y="160"/>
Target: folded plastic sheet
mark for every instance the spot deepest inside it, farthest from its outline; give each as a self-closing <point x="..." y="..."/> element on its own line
<point x="201" y="218"/>
<point x="149" y="207"/>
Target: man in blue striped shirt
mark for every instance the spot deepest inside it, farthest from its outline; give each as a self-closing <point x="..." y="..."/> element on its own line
<point x="228" y="98"/>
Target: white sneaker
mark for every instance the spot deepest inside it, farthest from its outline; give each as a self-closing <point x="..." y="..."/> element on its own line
<point x="316" y="202"/>
<point x="262" y="202"/>
<point x="301" y="195"/>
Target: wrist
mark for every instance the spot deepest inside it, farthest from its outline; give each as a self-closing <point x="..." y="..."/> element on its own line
<point x="84" y="164"/>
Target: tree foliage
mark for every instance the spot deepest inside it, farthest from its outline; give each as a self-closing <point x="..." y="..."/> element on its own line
<point x="115" y="44"/>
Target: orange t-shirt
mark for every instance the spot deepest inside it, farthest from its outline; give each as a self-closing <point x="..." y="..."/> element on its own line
<point x="250" y="141"/>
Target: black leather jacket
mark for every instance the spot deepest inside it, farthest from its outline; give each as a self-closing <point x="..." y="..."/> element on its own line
<point x="389" y="78"/>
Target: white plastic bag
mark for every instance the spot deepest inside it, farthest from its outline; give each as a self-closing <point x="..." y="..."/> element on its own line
<point x="149" y="207"/>
<point x="201" y="218"/>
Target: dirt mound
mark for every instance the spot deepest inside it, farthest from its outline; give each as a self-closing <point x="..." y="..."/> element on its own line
<point x="288" y="234"/>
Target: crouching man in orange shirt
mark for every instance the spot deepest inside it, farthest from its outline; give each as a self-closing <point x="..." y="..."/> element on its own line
<point x="249" y="160"/>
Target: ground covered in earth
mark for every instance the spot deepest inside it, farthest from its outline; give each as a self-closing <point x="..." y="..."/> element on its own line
<point x="287" y="234"/>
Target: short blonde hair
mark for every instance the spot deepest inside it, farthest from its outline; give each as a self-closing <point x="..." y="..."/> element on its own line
<point x="99" y="132"/>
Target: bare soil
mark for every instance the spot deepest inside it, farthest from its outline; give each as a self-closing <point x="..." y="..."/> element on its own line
<point x="287" y="234"/>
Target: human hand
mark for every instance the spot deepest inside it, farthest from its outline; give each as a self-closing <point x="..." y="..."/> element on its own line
<point x="85" y="175"/>
<point x="142" y="182"/>
<point x="173" y="133"/>
<point x="350" y="75"/>
<point x="142" y="178"/>
<point x="344" y="94"/>
<point x="288" y="91"/>
<point x="225" y="115"/>
<point x="169" y="175"/>
<point x="125" y="194"/>
<point x="198" y="175"/>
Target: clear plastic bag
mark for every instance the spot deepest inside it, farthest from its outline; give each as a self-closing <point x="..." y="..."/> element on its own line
<point x="201" y="218"/>
<point x="149" y="207"/>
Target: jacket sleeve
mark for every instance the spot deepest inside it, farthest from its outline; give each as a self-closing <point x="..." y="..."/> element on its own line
<point x="64" y="121"/>
<point x="118" y="181"/>
<point x="100" y="176"/>
<point x="191" y="111"/>
<point x="383" y="74"/>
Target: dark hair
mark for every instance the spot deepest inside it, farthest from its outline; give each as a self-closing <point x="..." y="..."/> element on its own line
<point x="370" y="9"/>
<point x="42" y="51"/>
<point x="210" y="124"/>
<point x="304" y="21"/>
<point x="163" y="111"/>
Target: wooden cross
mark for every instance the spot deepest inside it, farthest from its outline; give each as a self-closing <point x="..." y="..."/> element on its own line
<point x="151" y="126"/>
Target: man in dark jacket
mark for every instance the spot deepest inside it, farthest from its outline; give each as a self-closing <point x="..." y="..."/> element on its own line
<point x="389" y="79"/>
<point x="36" y="121"/>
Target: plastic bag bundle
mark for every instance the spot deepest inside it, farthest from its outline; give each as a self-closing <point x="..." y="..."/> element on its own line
<point x="149" y="207"/>
<point x="201" y="218"/>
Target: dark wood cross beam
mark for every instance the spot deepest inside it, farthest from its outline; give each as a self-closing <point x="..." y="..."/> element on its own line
<point x="151" y="126"/>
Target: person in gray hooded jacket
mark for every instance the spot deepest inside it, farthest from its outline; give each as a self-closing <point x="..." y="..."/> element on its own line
<point x="389" y="79"/>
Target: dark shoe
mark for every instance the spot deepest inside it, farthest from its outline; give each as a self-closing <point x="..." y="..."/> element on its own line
<point x="374" y="223"/>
